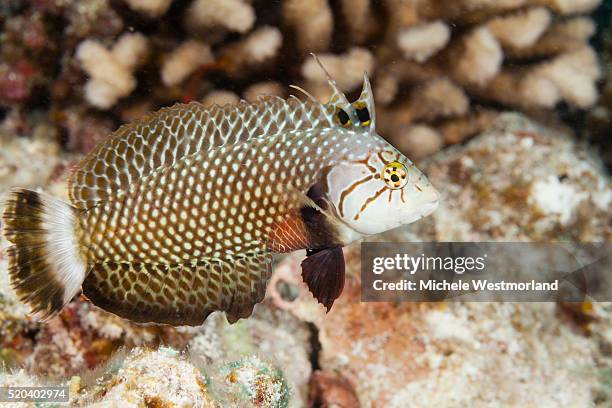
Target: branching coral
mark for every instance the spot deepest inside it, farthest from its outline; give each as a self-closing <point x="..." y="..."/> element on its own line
<point x="184" y="60"/>
<point x="432" y="63"/>
<point x="312" y="22"/>
<point x="150" y="8"/>
<point x="422" y="41"/>
<point x="263" y="88"/>
<point x="233" y="15"/>
<point x="347" y="69"/>
<point x="522" y="29"/>
<point x="111" y="70"/>
<point x="259" y="47"/>
<point x="519" y="53"/>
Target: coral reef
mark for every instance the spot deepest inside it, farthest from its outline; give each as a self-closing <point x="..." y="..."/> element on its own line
<point x="183" y="61"/>
<point x="526" y="183"/>
<point x="517" y="182"/>
<point x="442" y="67"/>
<point x="363" y="353"/>
<point x="151" y="378"/>
<point x="442" y="72"/>
<point x="111" y="70"/>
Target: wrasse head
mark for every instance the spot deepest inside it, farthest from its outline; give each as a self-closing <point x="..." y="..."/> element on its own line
<point x="378" y="188"/>
<point x="380" y="191"/>
<point x="375" y="188"/>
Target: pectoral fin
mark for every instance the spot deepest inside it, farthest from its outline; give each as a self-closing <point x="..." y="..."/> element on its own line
<point x="323" y="272"/>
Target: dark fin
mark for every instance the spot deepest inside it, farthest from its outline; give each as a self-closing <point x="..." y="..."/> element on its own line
<point x="183" y="294"/>
<point x="45" y="266"/>
<point x="323" y="272"/>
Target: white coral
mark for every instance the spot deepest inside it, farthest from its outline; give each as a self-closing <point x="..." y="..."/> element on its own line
<point x="422" y="41"/>
<point x="480" y="59"/>
<point x="263" y="88"/>
<point x="150" y="8"/>
<point x="110" y="71"/>
<point x="220" y="97"/>
<point x="347" y="69"/>
<point x="263" y="44"/>
<point x="312" y="21"/>
<point x="184" y="60"/>
<point x="521" y="29"/>
<point x="574" y="74"/>
<point x="571" y="6"/>
<point x="552" y="197"/>
<point x="235" y="15"/>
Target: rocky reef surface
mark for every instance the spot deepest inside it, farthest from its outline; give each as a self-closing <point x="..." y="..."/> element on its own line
<point x="527" y="182"/>
<point x="443" y="74"/>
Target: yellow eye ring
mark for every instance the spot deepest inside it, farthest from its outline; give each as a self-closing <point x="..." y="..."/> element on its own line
<point x="395" y="175"/>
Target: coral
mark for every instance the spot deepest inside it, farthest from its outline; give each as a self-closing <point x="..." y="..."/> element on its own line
<point x="417" y="140"/>
<point x="90" y="18"/>
<point x="184" y="60"/>
<point x="154" y="378"/>
<point x="415" y="52"/>
<point x="479" y="59"/>
<point x="329" y="389"/>
<point x="234" y="15"/>
<point x="520" y="182"/>
<point x="312" y="22"/>
<point x="569" y="77"/>
<point x="27" y="162"/>
<point x="110" y="71"/>
<point x="522" y="29"/>
<point x="220" y="97"/>
<point x="422" y="41"/>
<point x="166" y="377"/>
<point x="359" y="19"/>
<point x="270" y="334"/>
<point x="150" y="8"/>
<point x="346" y="69"/>
<point x="263" y="88"/>
<point x="257" y="48"/>
<point x="497" y="187"/>
<point x="16" y="82"/>
<point x="249" y="382"/>
<point x="442" y="72"/>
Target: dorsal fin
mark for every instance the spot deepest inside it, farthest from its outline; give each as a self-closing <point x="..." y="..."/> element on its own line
<point x="337" y="98"/>
<point x="162" y="138"/>
<point x="364" y="105"/>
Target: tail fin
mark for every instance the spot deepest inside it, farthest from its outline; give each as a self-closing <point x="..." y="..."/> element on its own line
<point x="45" y="266"/>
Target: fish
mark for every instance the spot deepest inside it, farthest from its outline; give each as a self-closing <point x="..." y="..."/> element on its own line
<point x="180" y="213"/>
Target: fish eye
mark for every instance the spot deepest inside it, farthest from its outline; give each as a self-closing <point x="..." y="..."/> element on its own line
<point x="395" y="175"/>
<point x="342" y="117"/>
<point x="362" y="113"/>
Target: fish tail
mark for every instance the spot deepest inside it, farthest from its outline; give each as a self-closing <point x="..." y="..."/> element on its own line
<point x="46" y="268"/>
